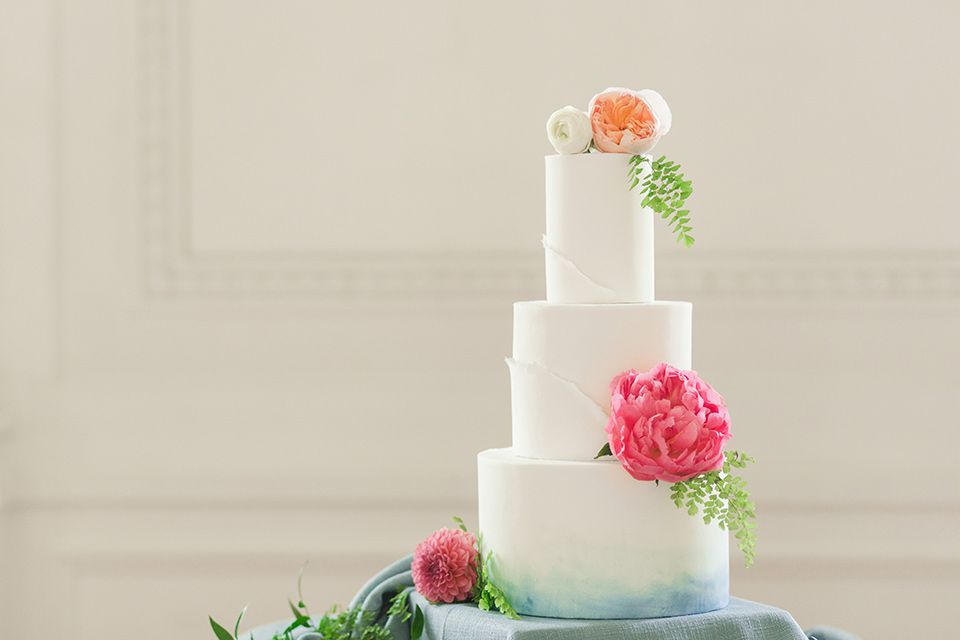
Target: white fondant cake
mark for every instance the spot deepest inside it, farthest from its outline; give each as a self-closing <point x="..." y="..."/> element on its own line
<point x="599" y="240"/>
<point x="564" y="357"/>
<point x="585" y="540"/>
<point x="570" y="536"/>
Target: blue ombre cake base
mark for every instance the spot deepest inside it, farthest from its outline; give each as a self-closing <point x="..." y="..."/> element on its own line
<point x="585" y="540"/>
<point x="584" y="599"/>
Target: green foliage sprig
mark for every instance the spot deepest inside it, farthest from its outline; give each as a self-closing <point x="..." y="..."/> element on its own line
<point x="398" y="607"/>
<point x="358" y="624"/>
<point x="724" y="498"/>
<point x="486" y="594"/>
<point x="398" y="604"/>
<point x="352" y="624"/>
<point x="666" y="192"/>
<point x="222" y="633"/>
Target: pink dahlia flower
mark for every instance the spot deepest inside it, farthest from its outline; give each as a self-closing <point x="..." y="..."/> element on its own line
<point x="666" y="424"/>
<point x="445" y="566"/>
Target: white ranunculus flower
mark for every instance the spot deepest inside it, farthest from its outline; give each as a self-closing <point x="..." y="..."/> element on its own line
<point x="569" y="131"/>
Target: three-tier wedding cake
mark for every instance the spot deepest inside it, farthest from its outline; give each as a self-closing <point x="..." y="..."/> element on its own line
<point x="571" y="536"/>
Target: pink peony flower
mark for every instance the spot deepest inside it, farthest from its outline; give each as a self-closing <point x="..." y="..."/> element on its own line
<point x="666" y="424"/>
<point x="445" y="566"/>
<point x="626" y="121"/>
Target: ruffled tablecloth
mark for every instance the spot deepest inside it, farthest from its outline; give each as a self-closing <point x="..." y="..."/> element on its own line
<point x="740" y="620"/>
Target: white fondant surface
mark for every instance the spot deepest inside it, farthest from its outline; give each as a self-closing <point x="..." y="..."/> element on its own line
<point x="599" y="240"/>
<point x="564" y="357"/>
<point x="586" y="540"/>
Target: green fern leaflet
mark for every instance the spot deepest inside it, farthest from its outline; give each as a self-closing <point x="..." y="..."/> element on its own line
<point x="723" y="497"/>
<point x="666" y="192"/>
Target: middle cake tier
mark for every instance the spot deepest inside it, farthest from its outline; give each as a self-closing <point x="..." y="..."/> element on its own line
<point x="564" y="358"/>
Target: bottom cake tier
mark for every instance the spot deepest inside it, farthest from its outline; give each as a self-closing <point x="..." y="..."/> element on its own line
<point x="586" y="540"/>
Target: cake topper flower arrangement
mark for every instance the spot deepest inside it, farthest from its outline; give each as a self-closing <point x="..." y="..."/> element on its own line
<point x="631" y="122"/>
<point x="668" y="424"/>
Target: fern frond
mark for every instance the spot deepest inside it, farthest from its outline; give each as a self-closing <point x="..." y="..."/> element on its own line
<point x="665" y="191"/>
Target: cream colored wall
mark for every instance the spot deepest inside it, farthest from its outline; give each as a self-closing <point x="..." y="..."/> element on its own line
<point x="257" y="261"/>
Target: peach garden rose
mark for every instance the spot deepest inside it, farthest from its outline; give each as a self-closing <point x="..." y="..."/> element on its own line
<point x="627" y="121"/>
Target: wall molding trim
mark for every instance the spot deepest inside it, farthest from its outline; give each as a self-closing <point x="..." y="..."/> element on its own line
<point x="825" y="274"/>
<point x="172" y="268"/>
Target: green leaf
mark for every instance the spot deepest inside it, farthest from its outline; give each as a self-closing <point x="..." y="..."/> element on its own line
<point x="293" y="607"/>
<point x="300" y="583"/>
<point x="236" y="627"/>
<point x="416" y="627"/>
<point x="604" y="451"/>
<point x="222" y="634"/>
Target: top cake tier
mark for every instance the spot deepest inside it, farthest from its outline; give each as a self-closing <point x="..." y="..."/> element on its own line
<point x="599" y="239"/>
